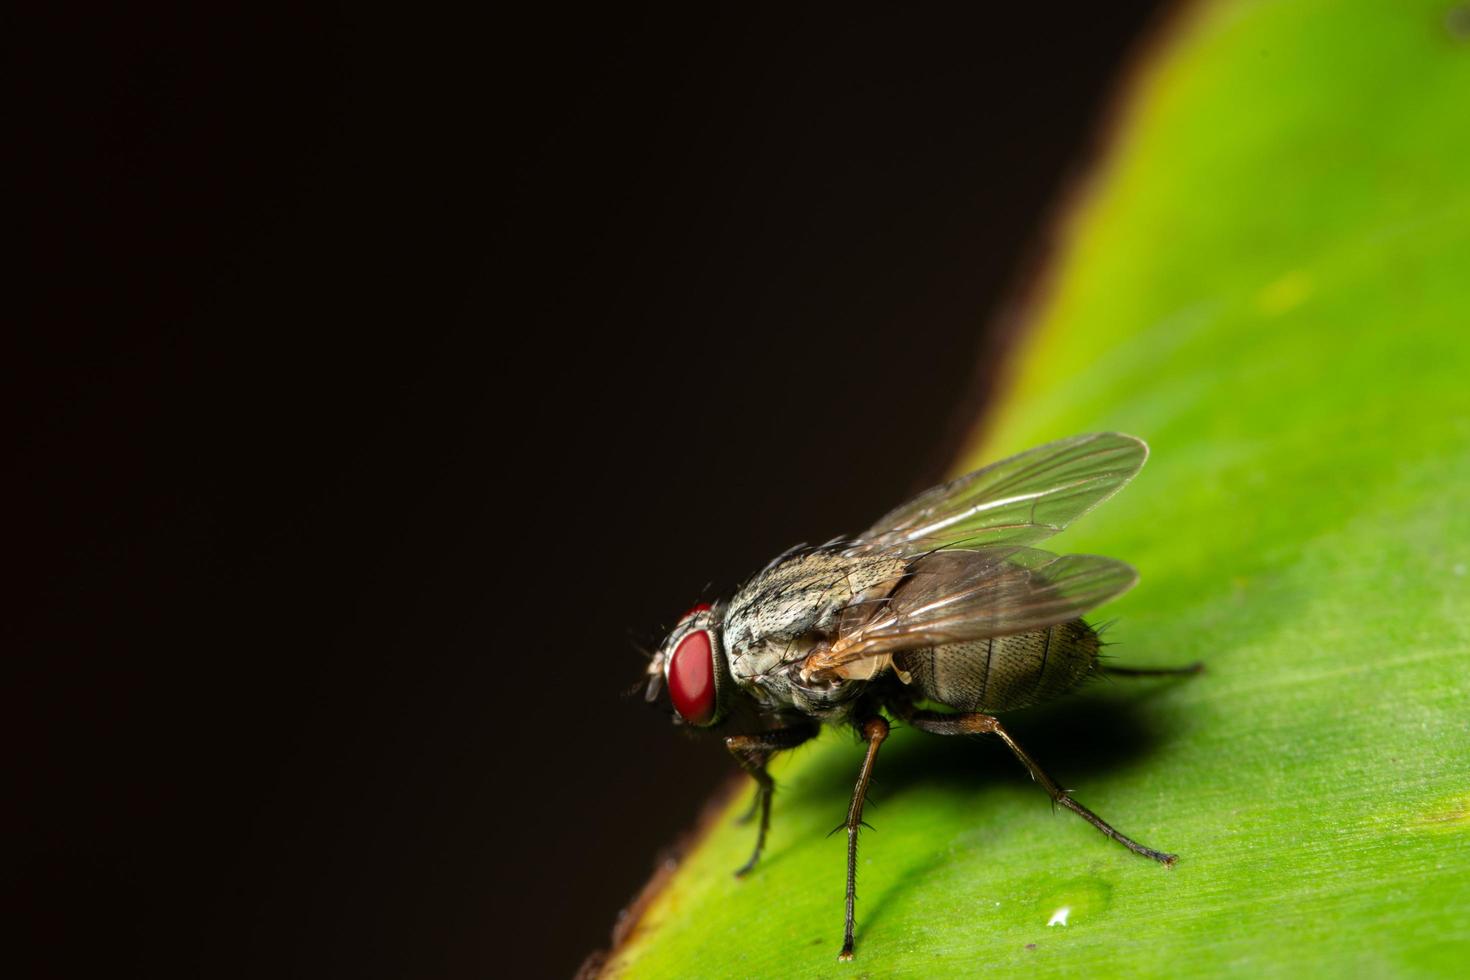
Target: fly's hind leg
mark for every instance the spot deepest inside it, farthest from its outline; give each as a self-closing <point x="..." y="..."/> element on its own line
<point x="752" y="752"/>
<point x="1197" y="667"/>
<point x="978" y="724"/>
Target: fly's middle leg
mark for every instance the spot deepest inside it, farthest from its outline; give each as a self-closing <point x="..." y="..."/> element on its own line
<point x="752" y="752"/>
<point x="874" y="731"/>
<point x="978" y="724"/>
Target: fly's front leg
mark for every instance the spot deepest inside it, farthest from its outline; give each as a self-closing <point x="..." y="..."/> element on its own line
<point x="978" y="724"/>
<point x="753" y="752"/>
<point x="874" y="731"/>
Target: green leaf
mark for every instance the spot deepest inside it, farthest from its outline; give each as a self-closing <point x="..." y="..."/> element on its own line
<point x="1269" y="280"/>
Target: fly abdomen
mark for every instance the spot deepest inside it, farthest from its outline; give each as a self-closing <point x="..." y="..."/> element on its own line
<point x="1004" y="672"/>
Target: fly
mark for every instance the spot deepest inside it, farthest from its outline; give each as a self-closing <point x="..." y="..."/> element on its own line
<point x="945" y="600"/>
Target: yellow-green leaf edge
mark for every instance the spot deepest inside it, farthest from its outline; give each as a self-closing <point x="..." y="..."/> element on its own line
<point x="1268" y="278"/>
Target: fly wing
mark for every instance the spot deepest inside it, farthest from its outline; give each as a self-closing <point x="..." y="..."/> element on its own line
<point x="951" y="596"/>
<point x="1017" y="501"/>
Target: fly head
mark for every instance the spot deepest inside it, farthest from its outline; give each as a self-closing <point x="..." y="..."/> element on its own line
<point x="691" y="664"/>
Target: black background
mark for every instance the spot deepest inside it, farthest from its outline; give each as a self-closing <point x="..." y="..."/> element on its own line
<point x="379" y="373"/>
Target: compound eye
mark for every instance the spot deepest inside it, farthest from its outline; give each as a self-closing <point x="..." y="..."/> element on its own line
<point x="692" y="678"/>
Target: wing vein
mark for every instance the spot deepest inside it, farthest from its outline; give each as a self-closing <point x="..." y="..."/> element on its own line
<point x="1019" y="501"/>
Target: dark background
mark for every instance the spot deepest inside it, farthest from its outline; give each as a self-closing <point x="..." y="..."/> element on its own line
<point x="379" y="373"/>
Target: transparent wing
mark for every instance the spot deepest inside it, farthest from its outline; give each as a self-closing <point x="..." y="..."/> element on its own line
<point x="951" y="596"/>
<point x="1016" y="501"/>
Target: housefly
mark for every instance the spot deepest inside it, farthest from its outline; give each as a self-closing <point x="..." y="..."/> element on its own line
<point x="945" y="601"/>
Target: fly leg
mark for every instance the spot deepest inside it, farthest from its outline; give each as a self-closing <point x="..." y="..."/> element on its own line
<point x="978" y="724"/>
<point x="755" y="805"/>
<point x="752" y="752"/>
<point x="1197" y="667"/>
<point x="874" y="731"/>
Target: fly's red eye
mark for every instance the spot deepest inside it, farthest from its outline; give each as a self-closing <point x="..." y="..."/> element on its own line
<point x="692" y="678"/>
<point x="702" y="607"/>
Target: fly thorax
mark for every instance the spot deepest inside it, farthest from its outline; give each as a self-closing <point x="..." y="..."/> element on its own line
<point x="830" y="701"/>
<point x="806" y="594"/>
<point x="763" y="669"/>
